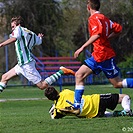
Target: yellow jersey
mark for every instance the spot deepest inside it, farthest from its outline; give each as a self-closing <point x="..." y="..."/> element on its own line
<point x="89" y="103"/>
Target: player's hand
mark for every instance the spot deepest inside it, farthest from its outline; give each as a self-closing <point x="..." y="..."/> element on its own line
<point x="76" y="54"/>
<point x="51" y="111"/>
<point x="40" y="35"/>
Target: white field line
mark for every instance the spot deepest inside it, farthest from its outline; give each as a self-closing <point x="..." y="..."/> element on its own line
<point x="22" y="99"/>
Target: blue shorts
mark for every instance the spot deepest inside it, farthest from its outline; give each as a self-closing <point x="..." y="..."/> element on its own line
<point x="108" y="67"/>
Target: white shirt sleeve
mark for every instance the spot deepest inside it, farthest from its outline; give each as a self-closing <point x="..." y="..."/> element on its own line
<point x="38" y="40"/>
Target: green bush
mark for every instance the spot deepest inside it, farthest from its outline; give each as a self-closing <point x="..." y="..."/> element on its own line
<point x="128" y="63"/>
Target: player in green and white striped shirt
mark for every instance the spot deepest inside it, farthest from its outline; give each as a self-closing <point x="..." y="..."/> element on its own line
<point x="25" y="40"/>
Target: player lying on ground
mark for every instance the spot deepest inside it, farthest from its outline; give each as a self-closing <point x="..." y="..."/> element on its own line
<point x="91" y="106"/>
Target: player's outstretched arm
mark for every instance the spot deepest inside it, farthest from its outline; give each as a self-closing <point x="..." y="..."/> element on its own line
<point x="8" y="41"/>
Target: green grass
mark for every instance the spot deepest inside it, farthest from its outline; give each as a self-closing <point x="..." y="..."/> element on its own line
<point x="32" y="116"/>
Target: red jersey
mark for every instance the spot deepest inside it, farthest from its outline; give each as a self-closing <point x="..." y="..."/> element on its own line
<point x="101" y="25"/>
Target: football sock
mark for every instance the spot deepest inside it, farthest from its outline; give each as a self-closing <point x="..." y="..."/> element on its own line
<point x="53" y="78"/>
<point x="2" y="86"/>
<point x="108" y="114"/>
<point x="126" y="103"/>
<point x="79" y="90"/>
<point x="127" y="83"/>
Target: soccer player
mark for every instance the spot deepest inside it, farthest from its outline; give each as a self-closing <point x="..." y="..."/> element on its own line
<point x="91" y="105"/>
<point x="25" y="40"/>
<point x="101" y="31"/>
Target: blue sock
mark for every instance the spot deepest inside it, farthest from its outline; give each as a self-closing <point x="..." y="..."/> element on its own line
<point x="79" y="90"/>
<point x="128" y="83"/>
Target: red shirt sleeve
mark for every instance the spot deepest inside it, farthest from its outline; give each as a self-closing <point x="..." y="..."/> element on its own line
<point x="116" y="27"/>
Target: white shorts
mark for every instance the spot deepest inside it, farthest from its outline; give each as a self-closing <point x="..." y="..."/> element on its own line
<point x="29" y="71"/>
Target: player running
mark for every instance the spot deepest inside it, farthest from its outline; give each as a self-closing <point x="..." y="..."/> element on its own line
<point x="25" y="40"/>
<point x="101" y="29"/>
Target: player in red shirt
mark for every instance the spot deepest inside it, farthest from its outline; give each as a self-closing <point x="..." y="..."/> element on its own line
<point x="103" y="57"/>
<point x="100" y="26"/>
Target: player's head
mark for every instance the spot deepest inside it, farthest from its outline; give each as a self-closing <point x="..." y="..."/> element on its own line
<point x="51" y="93"/>
<point x="15" y="21"/>
<point x="93" y="4"/>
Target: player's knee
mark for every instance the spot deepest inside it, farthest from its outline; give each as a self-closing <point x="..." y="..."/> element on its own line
<point x="42" y="85"/>
<point x="41" y="88"/>
<point x="78" y="75"/>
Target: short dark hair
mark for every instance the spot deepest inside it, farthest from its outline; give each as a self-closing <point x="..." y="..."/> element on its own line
<point x="94" y="4"/>
<point x="51" y="93"/>
<point x="18" y="20"/>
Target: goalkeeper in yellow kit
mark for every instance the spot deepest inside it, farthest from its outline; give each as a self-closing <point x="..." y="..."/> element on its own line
<point x="91" y="106"/>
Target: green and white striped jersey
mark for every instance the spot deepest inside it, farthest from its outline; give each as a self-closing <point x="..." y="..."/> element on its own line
<point x="26" y="40"/>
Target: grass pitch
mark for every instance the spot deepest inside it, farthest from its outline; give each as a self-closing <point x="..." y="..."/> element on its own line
<point x="25" y="110"/>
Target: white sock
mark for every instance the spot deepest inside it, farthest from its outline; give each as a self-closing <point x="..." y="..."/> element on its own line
<point x="126" y="103"/>
<point x="2" y="86"/>
<point x="53" y="78"/>
<point x="124" y="83"/>
<point x="108" y="114"/>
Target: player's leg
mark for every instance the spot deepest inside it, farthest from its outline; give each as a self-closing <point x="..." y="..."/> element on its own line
<point x="110" y="101"/>
<point x="112" y="73"/>
<point x="80" y="75"/>
<point x="117" y="82"/>
<point x="30" y="72"/>
<point x="125" y="101"/>
<point x="89" y="67"/>
<point x="127" y="83"/>
<point x="6" y="77"/>
<point x="53" y="78"/>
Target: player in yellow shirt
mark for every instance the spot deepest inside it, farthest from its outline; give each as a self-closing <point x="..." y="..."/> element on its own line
<point x="91" y="106"/>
